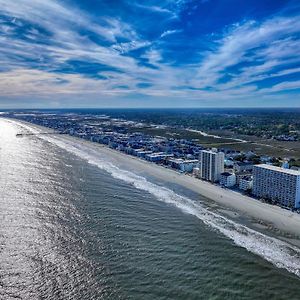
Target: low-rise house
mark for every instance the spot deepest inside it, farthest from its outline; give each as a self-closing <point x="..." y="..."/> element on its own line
<point x="183" y="165"/>
<point x="241" y="175"/>
<point x="227" y="179"/>
<point x="265" y="159"/>
<point x="196" y="171"/>
<point x="142" y="154"/>
<point x="242" y="166"/>
<point x="136" y="151"/>
<point x="249" y="154"/>
<point x="157" y="157"/>
<point x="228" y="162"/>
<point x="246" y="183"/>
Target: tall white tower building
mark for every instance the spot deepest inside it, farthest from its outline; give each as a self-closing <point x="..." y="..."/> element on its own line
<point x="211" y="165"/>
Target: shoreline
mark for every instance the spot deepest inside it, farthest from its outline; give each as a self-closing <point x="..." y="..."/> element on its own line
<point x="271" y="219"/>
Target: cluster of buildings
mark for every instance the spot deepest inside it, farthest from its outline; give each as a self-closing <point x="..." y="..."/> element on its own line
<point x="286" y="137"/>
<point x="273" y="184"/>
<point x="278" y="185"/>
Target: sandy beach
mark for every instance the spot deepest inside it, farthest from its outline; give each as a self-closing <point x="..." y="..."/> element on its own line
<point x="274" y="216"/>
<point x="277" y="221"/>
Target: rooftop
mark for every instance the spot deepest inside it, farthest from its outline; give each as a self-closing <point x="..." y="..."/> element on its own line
<point x="227" y="174"/>
<point x="243" y="163"/>
<point x="247" y="178"/>
<point x="210" y="151"/>
<point x="278" y="169"/>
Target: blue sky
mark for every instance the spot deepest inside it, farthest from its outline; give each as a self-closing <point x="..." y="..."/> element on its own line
<point x="154" y="53"/>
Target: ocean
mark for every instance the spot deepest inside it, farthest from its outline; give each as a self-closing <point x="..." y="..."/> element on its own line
<point x="75" y="226"/>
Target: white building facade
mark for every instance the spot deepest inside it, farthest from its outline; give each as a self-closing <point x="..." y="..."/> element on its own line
<point x="211" y="165"/>
<point x="227" y="179"/>
<point x="278" y="184"/>
<point x="246" y="183"/>
<point x="183" y="165"/>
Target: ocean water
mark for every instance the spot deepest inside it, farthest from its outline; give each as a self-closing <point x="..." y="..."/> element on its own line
<point x="75" y="226"/>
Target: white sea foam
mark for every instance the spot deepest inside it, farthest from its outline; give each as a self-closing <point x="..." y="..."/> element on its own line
<point x="279" y="253"/>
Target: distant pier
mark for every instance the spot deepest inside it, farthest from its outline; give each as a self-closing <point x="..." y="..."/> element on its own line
<point x="36" y="134"/>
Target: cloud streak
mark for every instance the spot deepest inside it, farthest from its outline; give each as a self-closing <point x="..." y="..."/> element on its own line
<point x="49" y="48"/>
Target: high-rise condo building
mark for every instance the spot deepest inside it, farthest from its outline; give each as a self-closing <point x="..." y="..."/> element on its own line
<point x="211" y="165"/>
<point x="277" y="184"/>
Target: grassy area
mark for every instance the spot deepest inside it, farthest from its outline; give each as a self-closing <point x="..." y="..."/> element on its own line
<point x="262" y="146"/>
<point x="180" y="134"/>
<point x="258" y="145"/>
<point x="267" y="149"/>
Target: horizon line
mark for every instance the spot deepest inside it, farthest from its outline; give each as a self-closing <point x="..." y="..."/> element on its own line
<point x="174" y="108"/>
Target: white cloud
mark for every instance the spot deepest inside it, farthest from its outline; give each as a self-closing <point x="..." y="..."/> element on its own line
<point x="270" y="45"/>
<point x="129" y="46"/>
<point x="284" y="86"/>
<point x="169" y="32"/>
<point x="243" y="38"/>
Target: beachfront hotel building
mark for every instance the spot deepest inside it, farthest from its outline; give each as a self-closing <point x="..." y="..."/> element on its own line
<point x="211" y="165"/>
<point x="227" y="179"/>
<point x="277" y="184"/>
